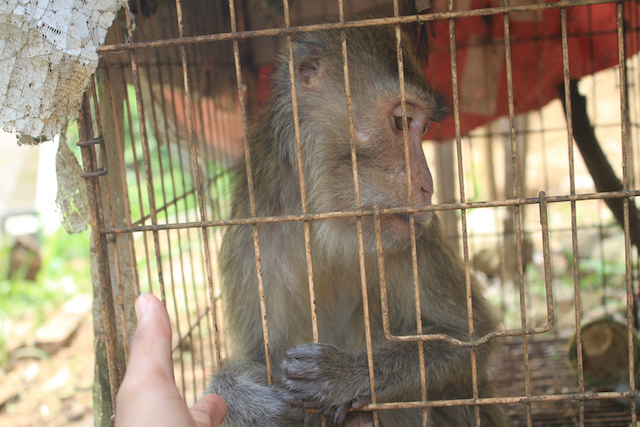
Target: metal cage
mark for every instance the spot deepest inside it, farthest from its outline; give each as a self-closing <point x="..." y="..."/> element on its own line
<point x="167" y="116"/>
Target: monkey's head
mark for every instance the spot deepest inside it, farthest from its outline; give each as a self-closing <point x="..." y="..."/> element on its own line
<point x="379" y="125"/>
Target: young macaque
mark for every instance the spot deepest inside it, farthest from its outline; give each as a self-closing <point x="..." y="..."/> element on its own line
<point x="333" y="375"/>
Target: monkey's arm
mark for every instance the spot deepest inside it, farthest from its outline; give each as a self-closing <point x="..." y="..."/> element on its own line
<point x="250" y="400"/>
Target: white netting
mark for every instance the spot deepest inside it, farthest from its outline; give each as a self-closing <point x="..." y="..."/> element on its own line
<point x="47" y="56"/>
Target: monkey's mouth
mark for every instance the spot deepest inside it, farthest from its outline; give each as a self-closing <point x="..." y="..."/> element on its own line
<point x="417" y="217"/>
<point x="404" y="217"/>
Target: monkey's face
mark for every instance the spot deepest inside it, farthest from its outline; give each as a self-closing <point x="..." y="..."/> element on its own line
<point x="387" y="132"/>
<point x="391" y="166"/>
<point x="394" y="170"/>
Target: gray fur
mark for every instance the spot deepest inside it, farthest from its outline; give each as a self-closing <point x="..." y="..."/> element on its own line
<point x="334" y="375"/>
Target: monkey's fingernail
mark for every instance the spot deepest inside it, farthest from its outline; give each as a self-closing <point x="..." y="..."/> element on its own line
<point x="337" y="418"/>
<point x="360" y="402"/>
<point x="340" y="414"/>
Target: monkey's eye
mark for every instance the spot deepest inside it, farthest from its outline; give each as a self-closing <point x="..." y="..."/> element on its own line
<point x="398" y="122"/>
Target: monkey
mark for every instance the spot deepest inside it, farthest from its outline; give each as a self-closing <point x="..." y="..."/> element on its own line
<point x="332" y="374"/>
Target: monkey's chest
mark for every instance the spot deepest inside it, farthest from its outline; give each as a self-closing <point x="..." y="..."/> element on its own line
<point x="341" y="318"/>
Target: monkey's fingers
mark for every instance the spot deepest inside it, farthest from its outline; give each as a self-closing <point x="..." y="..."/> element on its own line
<point x="288" y="397"/>
<point x="360" y="402"/>
<point x="340" y="413"/>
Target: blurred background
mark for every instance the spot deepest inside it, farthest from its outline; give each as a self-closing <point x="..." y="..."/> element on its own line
<point x="46" y="363"/>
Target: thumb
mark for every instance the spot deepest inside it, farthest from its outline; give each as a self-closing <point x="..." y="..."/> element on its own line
<point x="151" y="345"/>
<point x="209" y="411"/>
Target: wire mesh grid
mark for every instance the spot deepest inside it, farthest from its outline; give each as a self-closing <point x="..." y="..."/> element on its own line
<point x="171" y="107"/>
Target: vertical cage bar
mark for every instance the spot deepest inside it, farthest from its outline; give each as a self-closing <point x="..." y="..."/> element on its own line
<point x="213" y="329"/>
<point x="546" y="256"/>
<point x="145" y="153"/>
<point x="123" y="178"/>
<point x="85" y="132"/>
<point x="516" y="194"/>
<point x="624" y="124"/>
<point x="463" y="212"/>
<point x="412" y="225"/>
<point x="116" y="254"/>
<point x="198" y="177"/>
<point x="172" y="273"/>
<point x="252" y="199"/>
<point x="574" y="234"/>
<point x="354" y="165"/>
<point x="301" y="179"/>
<point x="121" y="149"/>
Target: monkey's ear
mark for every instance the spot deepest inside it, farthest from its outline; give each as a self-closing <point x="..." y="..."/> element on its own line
<point x="310" y="68"/>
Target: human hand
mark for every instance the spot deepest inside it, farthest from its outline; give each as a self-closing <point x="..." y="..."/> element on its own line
<point x="148" y="394"/>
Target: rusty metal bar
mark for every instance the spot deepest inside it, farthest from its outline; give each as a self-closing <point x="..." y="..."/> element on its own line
<point x="136" y="169"/>
<point x="463" y="213"/>
<point x="175" y="206"/>
<point x="543" y="200"/>
<point x="150" y="187"/>
<point x="196" y="174"/>
<point x="301" y="178"/>
<point x="125" y="199"/>
<point x="219" y="130"/>
<point x="172" y="280"/>
<point x="116" y="253"/>
<point x="569" y="397"/>
<point x="356" y="187"/>
<point x="120" y="150"/>
<point x="145" y="155"/>
<point x="626" y="180"/>
<point x="85" y="132"/>
<point x="352" y="24"/>
<point x="213" y="328"/>
<point x="386" y="211"/>
<point x="574" y="234"/>
<point x="412" y="225"/>
<point x="252" y="199"/>
<point x="517" y="220"/>
<point x="192" y="326"/>
<point x="235" y="35"/>
<point x="516" y="202"/>
<point x="198" y="178"/>
<point x="546" y="256"/>
<point x="99" y="172"/>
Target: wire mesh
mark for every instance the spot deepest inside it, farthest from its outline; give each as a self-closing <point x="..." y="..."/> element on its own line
<point x="181" y="85"/>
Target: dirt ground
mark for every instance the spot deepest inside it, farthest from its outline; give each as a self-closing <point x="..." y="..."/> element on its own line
<point x="53" y="391"/>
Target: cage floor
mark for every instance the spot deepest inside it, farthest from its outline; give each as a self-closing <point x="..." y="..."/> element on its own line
<point x="550" y="374"/>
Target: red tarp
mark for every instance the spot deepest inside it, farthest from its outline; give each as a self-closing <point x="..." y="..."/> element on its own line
<point x="536" y="56"/>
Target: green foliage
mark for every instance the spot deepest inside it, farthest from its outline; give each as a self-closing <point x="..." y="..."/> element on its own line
<point x="171" y="169"/>
<point x="65" y="271"/>
<point x="594" y="272"/>
<point x="71" y="137"/>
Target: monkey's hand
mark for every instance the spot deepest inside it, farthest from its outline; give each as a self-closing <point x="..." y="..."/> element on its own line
<point x="324" y="375"/>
